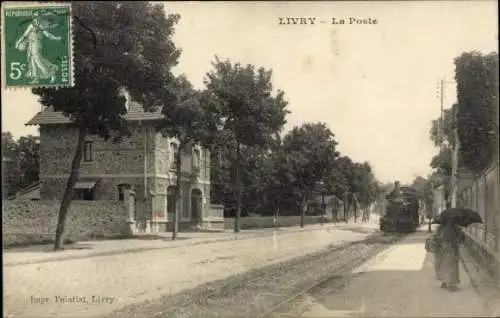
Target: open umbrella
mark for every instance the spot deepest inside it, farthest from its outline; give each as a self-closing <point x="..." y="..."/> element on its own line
<point x="460" y="216"/>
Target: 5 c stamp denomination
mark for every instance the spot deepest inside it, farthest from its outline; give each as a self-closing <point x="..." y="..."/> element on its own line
<point x="38" y="47"/>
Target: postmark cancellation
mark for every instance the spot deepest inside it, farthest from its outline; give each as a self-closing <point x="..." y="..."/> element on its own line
<point x="37" y="43"/>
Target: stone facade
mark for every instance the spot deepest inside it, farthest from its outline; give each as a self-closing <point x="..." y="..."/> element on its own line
<point x="142" y="162"/>
<point x="86" y="220"/>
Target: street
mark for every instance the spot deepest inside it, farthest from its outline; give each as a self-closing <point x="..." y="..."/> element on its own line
<point x="316" y="273"/>
<point x="131" y="278"/>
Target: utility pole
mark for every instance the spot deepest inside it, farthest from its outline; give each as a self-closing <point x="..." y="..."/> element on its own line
<point x="441" y="92"/>
<point x="454" y="159"/>
<point x="497" y="191"/>
<point x="440" y="95"/>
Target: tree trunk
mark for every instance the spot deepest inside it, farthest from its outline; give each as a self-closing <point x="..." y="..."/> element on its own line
<point x="177" y="196"/>
<point x="355" y="212"/>
<point x="68" y="192"/>
<point x="303" y="209"/>
<point x="237" y="189"/>
<point x="275" y="216"/>
<point x="346" y="206"/>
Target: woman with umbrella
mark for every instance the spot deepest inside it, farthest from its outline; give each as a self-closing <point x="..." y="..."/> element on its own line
<point x="449" y="236"/>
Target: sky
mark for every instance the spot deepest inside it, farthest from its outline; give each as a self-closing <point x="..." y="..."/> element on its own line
<point x="374" y="85"/>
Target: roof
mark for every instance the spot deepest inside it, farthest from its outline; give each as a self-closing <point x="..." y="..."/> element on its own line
<point x="33" y="194"/>
<point x="30" y="192"/>
<point x="85" y="184"/>
<point x="135" y="113"/>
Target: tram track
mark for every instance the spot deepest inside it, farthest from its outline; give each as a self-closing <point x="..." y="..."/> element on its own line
<point x="268" y="290"/>
<point x="292" y="306"/>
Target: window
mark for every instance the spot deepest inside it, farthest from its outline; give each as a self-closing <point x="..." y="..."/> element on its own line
<point x="196" y="204"/>
<point x="173" y="152"/>
<point x="84" y="194"/>
<point x="196" y="158"/>
<point x="121" y="191"/>
<point x="88" y="151"/>
<point x="171" y="200"/>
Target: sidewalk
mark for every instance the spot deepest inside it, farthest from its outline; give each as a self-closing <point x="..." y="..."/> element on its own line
<point x="44" y="253"/>
<point x="400" y="282"/>
<point x="482" y="282"/>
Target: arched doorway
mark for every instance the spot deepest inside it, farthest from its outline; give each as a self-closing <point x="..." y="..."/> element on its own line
<point x="171" y="204"/>
<point x="196" y="205"/>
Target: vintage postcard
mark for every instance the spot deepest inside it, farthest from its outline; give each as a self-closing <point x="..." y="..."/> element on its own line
<point x="250" y="159"/>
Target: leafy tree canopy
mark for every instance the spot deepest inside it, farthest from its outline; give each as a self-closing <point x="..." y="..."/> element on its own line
<point x="117" y="45"/>
<point x="246" y="102"/>
<point x="446" y="128"/>
<point x="476" y="75"/>
<point x="20" y="161"/>
<point x="308" y="153"/>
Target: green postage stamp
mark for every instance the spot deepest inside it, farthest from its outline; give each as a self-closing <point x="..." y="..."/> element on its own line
<point x="37" y="45"/>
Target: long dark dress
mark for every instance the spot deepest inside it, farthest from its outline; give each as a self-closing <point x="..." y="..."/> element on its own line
<point x="447" y="259"/>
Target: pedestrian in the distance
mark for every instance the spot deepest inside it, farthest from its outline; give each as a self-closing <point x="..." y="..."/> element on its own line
<point x="447" y="258"/>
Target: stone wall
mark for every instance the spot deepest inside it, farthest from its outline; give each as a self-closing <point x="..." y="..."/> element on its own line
<point x="32" y="222"/>
<point x="52" y="188"/>
<point x="118" y="162"/>
<point x="214" y="211"/>
<point x="268" y="221"/>
<point x="57" y="147"/>
<point x="107" y="188"/>
<point x="483" y="239"/>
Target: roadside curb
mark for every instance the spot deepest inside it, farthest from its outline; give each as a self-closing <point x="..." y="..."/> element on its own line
<point x="148" y="249"/>
<point x="481" y="283"/>
<point x="129" y="250"/>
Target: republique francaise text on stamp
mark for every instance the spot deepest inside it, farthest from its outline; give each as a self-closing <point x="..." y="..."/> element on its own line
<point x="38" y="46"/>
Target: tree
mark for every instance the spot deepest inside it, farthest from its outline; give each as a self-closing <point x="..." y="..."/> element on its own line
<point x="271" y="191"/>
<point x="432" y="182"/>
<point x="367" y="185"/>
<point x="419" y="184"/>
<point x="20" y="160"/>
<point x="442" y="161"/>
<point x="254" y="172"/>
<point x="10" y="165"/>
<point x="477" y="94"/>
<point x="29" y="152"/>
<point x="363" y="185"/>
<point x="117" y="45"/>
<point x="220" y="176"/>
<point x="9" y="145"/>
<point x="190" y="120"/>
<point x="250" y="113"/>
<point x="261" y="180"/>
<point x="308" y="153"/>
<point x="441" y="133"/>
<point x="337" y="181"/>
